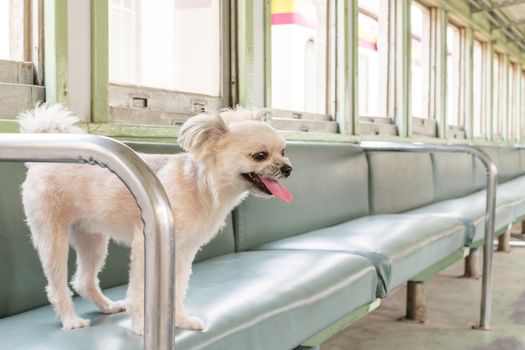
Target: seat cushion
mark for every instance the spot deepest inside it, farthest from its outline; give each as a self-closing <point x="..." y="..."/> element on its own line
<point x="329" y="184"/>
<point x="41" y="329"/>
<point x="249" y="300"/>
<point x="400" y="246"/>
<point x="471" y="208"/>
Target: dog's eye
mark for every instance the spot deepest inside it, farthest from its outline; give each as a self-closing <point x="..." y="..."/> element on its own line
<point x="260" y="156"/>
<point x="283" y="152"/>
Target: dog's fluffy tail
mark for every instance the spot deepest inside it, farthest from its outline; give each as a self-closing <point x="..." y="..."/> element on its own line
<point x="49" y="119"/>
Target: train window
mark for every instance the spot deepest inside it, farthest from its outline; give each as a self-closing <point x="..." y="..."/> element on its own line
<point x="497" y="100"/>
<point x="21" y="56"/>
<point x="169" y="55"/>
<point x="453" y="75"/>
<point x="420" y="25"/>
<point x="373" y="57"/>
<point x="513" y="101"/>
<point x="479" y="89"/>
<point x="303" y="65"/>
<point x="4" y="30"/>
<point x="522" y="102"/>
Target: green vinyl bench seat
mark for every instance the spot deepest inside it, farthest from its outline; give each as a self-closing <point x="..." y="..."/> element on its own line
<point x="361" y="224"/>
<point x="249" y="300"/>
<point x="400" y="246"/>
<point x="273" y="299"/>
<point x="40" y="329"/>
<point x="472" y="209"/>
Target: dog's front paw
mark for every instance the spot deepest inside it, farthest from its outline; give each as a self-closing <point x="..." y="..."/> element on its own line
<point x="137" y="328"/>
<point x="74" y="323"/>
<point x="190" y="323"/>
<point x="114" y="307"/>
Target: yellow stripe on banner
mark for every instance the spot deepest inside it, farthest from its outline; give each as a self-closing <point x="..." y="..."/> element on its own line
<point x="283" y="6"/>
<point x="367" y="35"/>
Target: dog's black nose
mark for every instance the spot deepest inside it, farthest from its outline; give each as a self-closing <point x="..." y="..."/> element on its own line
<point x="286" y="170"/>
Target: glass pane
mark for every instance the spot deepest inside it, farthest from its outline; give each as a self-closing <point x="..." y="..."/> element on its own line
<point x="373" y="57"/>
<point x="168" y="44"/>
<point x="513" y="101"/>
<point x="420" y="18"/>
<point x="299" y="55"/>
<point x="453" y="74"/>
<point x="497" y="117"/>
<point x="4" y="30"/>
<point x="479" y="90"/>
<point x="522" y="118"/>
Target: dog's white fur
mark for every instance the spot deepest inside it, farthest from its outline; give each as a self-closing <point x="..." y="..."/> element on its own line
<point x="85" y="205"/>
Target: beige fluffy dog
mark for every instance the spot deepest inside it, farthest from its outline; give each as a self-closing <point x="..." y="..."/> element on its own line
<point x="230" y="155"/>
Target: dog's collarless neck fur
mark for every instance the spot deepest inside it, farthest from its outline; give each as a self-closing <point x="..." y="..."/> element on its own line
<point x="213" y="189"/>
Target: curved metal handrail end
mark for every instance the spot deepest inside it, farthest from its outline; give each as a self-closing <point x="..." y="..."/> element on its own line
<point x="150" y="196"/>
<point x="490" y="208"/>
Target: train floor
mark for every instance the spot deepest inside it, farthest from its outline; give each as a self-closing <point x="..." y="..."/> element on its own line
<point x="452" y="308"/>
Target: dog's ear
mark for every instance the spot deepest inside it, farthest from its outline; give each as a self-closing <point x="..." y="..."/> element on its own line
<point x="200" y="132"/>
<point x="262" y="115"/>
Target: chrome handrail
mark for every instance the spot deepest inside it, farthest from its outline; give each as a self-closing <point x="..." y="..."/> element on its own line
<point x="490" y="209"/>
<point x="156" y="214"/>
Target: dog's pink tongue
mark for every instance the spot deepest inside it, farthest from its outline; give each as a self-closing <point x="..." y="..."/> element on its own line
<point x="277" y="188"/>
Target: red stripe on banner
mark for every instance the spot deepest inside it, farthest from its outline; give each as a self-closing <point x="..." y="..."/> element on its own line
<point x="367" y="44"/>
<point x="291" y="18"/>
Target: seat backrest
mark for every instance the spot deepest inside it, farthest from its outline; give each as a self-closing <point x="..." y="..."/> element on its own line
<point x="329" y="183"/>
<point x="454" y="175"/>
<point x="506" y="159"/>
<point x="23" y="282"/>
<point x="509" y="163"/>
<point x="521" y="152"/>
<point x="21" y="276"/>
<point x="399" y="181"/>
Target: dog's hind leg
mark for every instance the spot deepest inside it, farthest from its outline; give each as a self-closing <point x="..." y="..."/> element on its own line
<point x="91" y="249"/>
<point x="135" y="294"/>
<point x="52" y="245"/>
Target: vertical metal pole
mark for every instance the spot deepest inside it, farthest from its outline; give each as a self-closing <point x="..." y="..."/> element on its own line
<point x="490" y="210"/>
<point x="488" y="248"/>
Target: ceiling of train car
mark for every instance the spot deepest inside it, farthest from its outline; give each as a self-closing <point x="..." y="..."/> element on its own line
<point x="515" y="10"/>
<point x="505" y="15"/>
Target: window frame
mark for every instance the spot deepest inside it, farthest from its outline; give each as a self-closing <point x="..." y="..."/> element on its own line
<point x="521" y="109"/>
<point x="427" y="52"/>
<point x="385" y="122"/>
<point x="498" y="103"/>
<point x="484" y="112"/>
<point x="301" y="121"/>
<point x="22" y="76"/>
<point x="513" y="101"/>
<point x="131" y="104"/>
<point x="453" y="131"/>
